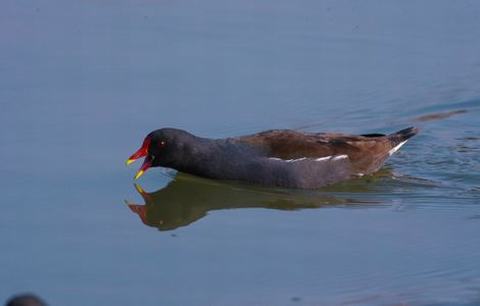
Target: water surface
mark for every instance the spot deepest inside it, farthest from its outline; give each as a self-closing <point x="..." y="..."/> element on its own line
<point x="81" y="84"/>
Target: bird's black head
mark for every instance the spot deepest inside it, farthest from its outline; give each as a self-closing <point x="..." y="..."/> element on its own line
<point x="163" y="148"/>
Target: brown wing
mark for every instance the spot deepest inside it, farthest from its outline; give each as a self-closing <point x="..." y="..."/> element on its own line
<point x="366" y="152"/>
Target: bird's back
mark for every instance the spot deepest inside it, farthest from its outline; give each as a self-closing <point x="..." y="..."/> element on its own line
<point x="366" y="153"/>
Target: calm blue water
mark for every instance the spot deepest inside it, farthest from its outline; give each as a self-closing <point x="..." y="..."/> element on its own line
<point x="81" y="84"/>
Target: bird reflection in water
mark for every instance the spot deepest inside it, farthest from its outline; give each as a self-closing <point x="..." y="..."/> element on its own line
<point x="187" y="199"/>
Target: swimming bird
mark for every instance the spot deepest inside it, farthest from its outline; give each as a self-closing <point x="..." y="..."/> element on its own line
<point x="283" y="158"/>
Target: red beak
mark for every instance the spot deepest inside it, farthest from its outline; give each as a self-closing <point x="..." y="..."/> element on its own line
<point x="143" y="151"/>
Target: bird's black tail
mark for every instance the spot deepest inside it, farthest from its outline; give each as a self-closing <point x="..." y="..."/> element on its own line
<point x="402" y="136"/>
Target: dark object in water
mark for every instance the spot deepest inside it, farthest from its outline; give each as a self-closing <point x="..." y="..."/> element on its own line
<point x="438" y="116"/>
<point x="25" y="300"/>
<point x="283" y="158"/>
<point x="187" y="199"/>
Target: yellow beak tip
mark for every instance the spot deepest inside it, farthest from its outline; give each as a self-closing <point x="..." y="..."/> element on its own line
<point x="139" y="174"/>
<point x="129" y="161"/>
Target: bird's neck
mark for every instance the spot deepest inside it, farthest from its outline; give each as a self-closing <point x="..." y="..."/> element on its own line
<point x="213" y="158"/>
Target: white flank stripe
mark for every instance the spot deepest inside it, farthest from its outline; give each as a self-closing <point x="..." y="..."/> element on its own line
<point x="340" y="157"/>
<point x="295" y="160"/>
<point x="337" y="157"/>
<point x="396" y="148"/>
<point x="287" y="160"/>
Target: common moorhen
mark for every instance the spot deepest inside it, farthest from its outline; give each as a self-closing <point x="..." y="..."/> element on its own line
<point x="284" y="158"/>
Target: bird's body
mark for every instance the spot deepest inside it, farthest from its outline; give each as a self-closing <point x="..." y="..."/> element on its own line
<point x="283" y="158"/>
